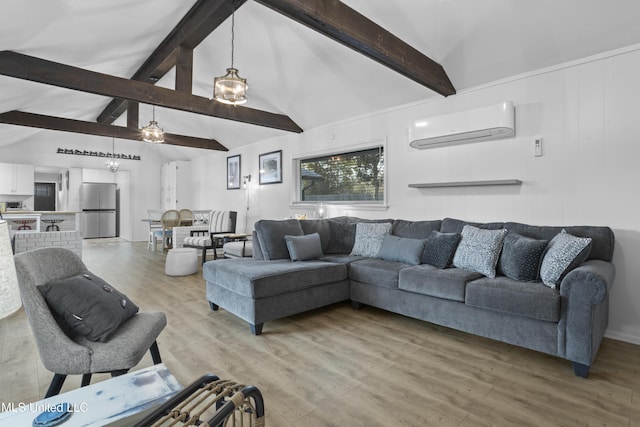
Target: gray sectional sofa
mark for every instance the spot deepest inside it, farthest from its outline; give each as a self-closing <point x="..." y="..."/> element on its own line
<point x="566" y="319"/>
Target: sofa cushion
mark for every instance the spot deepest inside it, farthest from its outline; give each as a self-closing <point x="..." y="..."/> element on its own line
<point x="565" y="253"/>
<point x="369" y="237"/>
<point x="452" y="225"/>
<point x="533" y="300"/>
<point x="342" y="236"/>
<point x="414" y="229"/>
<point x="602" y="243"/>
<point x="342" y="233"/>
<point x="479" y="250"/>
<point x="271" y="234"/>
<point x="303" y="248"/>
<point x="320" y="226"/>
<point x="426" y="279"/>
<point x="378" y="272"/>
<point x="88" y="305"/>
<point x="401" y="249"/>
<point x="440" y="248"/>
<point x="521" y="257"/>
<point x="261" y="279"/>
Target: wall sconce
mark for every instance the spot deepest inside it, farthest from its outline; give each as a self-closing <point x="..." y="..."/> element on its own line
<point x="246" y="180"/>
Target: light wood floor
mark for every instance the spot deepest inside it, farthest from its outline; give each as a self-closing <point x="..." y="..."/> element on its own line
<point x="339" y="367"/>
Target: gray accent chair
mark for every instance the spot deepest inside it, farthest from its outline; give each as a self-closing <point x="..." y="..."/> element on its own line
<point x="75" y="355"/>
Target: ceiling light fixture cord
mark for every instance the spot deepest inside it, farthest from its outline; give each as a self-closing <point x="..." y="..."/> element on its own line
<point x="233" y="25"/>
<point x="112" y="165"/>
<point x="231" y="88"/>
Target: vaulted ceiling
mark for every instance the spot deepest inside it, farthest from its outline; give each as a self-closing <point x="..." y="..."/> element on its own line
<point x="293" y="71"/>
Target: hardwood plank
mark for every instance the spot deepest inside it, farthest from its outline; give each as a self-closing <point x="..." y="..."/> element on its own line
<point x="34" y="69"/>
<point x="345" y="25"/>
<point x="340" y="367"/>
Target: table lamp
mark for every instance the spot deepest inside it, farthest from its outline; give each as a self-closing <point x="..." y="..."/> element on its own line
<point x="9" y="292"/>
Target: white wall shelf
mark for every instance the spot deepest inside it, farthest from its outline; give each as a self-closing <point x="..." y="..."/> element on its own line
<point x="467" y="183"/>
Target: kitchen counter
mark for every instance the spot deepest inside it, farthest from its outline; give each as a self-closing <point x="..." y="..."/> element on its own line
<point x="15" y="222"/>
<point x="65" y="220"/>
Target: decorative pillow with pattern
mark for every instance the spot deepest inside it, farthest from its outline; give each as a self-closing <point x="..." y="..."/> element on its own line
<point x="479" y="250"/>
<point x="565" y="253"/>
<point x="521" y="257"/>
<point x="440" y="249"/>
<point x="369" y="238"/>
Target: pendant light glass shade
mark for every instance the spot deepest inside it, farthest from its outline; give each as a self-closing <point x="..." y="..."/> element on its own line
<point x="112" y="165"/>
<point x="231" y="88"/>
<point x="152" y="132"/>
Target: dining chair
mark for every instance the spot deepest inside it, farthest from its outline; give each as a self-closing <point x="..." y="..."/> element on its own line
<point x="186" y="217"/>
<point x="154" y="219"/>
<point x="169" y="219"/>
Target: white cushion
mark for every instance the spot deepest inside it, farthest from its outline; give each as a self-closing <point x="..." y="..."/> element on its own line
<point x="201" y="241"/>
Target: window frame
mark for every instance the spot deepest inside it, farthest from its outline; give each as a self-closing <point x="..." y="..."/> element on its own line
<point x="336" y="151"/>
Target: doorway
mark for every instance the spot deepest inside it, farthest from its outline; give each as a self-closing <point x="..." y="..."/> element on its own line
<point x="44" y="196"/>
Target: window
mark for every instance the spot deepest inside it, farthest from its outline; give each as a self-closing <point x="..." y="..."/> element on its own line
<point x="356" y="176"/>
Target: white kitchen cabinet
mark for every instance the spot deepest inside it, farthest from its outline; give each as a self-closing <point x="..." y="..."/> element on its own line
<point x="16" y="179"/>
<point x="176" y="186"/>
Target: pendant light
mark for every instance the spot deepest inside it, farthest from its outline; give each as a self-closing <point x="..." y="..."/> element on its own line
<point x="152" y="132"/>
<point x="112" y="165"/>
<point x="231" y="88"/>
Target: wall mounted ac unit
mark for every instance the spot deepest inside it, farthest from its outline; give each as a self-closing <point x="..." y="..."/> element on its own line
<point x="480" y="124"/>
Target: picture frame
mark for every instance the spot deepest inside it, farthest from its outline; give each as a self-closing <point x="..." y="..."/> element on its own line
<point x="233" y="172"/>
<point x="270" y="165"/>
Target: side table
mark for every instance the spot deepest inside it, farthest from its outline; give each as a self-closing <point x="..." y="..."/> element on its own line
<point x="131" y="395"/>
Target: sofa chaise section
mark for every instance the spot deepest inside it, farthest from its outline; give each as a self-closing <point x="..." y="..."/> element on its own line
<point x="259" y="291"/>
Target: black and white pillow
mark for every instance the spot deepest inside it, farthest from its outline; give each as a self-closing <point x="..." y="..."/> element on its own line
<point x="479" y="250"/>
<point x="565" y="253"/>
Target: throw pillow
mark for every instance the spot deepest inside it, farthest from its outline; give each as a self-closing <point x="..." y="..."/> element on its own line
<point x="369" y="237"/>
<point x="401" y="249"/>
<point x="440" y="248"/>
<point x="271" y="234"/>
<point x="342" y="236"/>
<point x="89" y="305"/>
<point x="479" y="250"/>
<point x="302" y="248"/>
<point x="521" y="257"/>
<point x="565" y="253"/>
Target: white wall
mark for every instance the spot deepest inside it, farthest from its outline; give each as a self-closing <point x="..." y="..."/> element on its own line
<point x="142" y="177"/>
<point x="586" y="112"/>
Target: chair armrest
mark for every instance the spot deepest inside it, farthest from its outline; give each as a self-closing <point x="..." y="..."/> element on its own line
<point x="584" y="318"/>
<point x="589" y="282"/>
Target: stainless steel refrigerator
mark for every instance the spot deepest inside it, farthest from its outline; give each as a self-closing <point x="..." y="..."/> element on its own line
<point x="98" y="203"/>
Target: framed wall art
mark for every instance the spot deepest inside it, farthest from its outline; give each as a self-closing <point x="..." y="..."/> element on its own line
<point x="270" y="167"/>
<point x="233" y="172"/>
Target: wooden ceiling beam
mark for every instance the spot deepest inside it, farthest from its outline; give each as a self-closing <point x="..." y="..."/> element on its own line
<point x="343" y="24"/>
<point x="90" y="128"/>
<point x="133" y="115"/>
<point x="184" y="70"/>
<point x="26" y="67"/>
<point x="204" y="17"/>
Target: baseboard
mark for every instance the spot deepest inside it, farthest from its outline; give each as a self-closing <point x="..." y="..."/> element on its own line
<point x="621" y="336"/>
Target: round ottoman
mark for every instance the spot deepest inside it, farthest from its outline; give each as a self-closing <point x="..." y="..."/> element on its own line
<point x="181" y="262"/>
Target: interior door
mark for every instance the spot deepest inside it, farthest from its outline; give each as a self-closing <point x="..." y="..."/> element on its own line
<point x="44" y="196"/>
